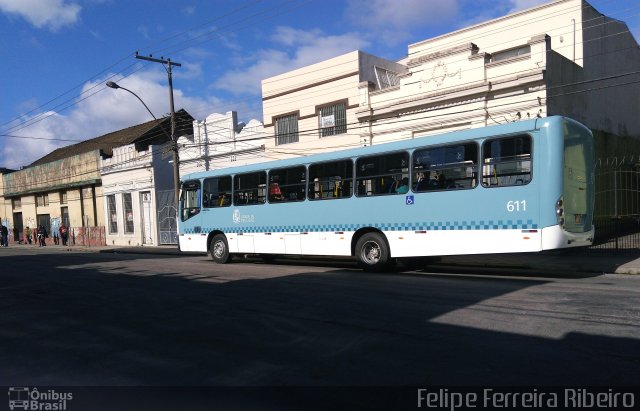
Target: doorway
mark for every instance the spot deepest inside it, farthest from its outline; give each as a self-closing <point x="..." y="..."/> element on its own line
<point x="145" y="207"/>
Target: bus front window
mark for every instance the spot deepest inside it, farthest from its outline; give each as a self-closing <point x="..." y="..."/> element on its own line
<point x="189" y="200"/>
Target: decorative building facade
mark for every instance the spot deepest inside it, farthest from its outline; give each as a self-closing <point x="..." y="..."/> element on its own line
<point x="220" y="141"/>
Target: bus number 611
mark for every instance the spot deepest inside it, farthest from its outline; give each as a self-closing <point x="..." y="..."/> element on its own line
<point x="516" y="206"/>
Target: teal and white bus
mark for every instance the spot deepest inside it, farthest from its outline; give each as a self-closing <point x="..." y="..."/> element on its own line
<point x="519" y="187"/>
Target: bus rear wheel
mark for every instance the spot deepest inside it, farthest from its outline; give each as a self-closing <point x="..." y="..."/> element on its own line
<point x="372" y="252"/>
<point x="220" y="249"/>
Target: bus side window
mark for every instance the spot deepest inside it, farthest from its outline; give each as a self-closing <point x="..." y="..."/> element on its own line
<point x="216" y="192"/>
<point x="330" y="181"/>
<point x="450" y="167"/>
<point x="249" y="188"/>
<point x="506" y="161"/>
<point x="287" y="184"/>
<point x="382" y="174"/>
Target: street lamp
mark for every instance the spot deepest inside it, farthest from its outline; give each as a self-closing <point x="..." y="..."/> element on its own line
<point x="113" y="85"/>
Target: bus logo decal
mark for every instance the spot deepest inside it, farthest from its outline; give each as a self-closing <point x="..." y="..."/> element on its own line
<point x="408" y="200"/>
<point x="242" y="218"/>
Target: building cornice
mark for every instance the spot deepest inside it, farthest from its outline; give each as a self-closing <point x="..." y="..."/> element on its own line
<point x="311" y="85"/>
<point x="465" y="48"/>
<point x="53" y="188"/>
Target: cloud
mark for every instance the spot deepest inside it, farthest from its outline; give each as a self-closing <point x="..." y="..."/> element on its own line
<point x="52" y="14"/>
<point x="106" y="111"/>
<point x="306" y="47"/>
<point x="393" y="20"/>
<point x="517" y="5"/>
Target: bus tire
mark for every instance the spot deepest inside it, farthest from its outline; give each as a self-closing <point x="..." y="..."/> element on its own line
<point x="372" y="252"/>
<point x="219" y="249"/>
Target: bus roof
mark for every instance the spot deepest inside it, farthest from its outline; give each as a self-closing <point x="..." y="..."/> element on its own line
<point x="460" y="135"/>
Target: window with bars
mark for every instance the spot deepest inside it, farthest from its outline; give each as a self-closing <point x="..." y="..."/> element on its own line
<point x="112" y="214"/>
<point x="333" y="120"/>
<point x="16" y="203"/>
<point x="128" y="212"/>
<point x="287" y="129"/>
<point x="63" y="197"/>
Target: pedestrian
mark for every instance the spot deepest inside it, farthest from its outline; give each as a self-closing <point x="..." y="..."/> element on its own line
<point x="5" y="235"/>
<point x="42" y="234"/>
<point x="64" y="234"/>
<point x="28" y="234"/>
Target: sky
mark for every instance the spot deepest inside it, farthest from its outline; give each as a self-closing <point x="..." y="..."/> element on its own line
<point x="58" y="55"/>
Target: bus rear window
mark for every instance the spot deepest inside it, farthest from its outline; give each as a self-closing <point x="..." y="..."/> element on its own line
<point x="506" y="161"/>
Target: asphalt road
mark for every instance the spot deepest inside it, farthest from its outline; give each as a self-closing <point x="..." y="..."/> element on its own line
<point x="124" y="319"/>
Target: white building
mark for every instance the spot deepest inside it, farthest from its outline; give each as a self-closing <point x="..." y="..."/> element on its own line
<point x="132" y="183"/>
<point x="313" y="109"/>
<point x="221" y="141"/>
<point x="560" y="58"/>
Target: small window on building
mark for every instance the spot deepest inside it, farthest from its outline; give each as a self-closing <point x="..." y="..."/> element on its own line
<point x="287" y="184"/>
<point x="382" y="174"/>
<point x="127" y="207"/>
<point x="328" y="181"/>
<point x="386" y="78"/>
<point x="16" y="203"/>
<point x="511" y="53"/>
<point x="217" y="192"/>
<point x="333" y="120"/>
<point x="64" y="215"/>
<point x="112" y="214"/>
<point x="63" y="197"/>
<point x="42" y="200"/>
<point x="506" y="161"/>
<point x="287" y="129"/>
<point x="250" y="188"/>
<point x="452" y="167"/>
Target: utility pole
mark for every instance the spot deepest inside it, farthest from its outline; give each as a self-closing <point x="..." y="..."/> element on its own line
<point x="174" y="140"/>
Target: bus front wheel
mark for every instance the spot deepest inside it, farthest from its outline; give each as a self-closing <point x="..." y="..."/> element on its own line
<point x="220" y="249"/>
<point x="372" y="252"/>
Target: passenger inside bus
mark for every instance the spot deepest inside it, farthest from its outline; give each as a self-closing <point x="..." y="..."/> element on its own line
<point x="403" y="186"/>
<point x="274" y="192"/>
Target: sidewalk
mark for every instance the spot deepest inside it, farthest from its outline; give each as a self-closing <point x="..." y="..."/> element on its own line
<point x="560" y="262"/>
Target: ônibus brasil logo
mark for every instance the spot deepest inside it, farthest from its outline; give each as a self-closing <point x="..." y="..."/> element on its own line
<point x="25" y="398"/>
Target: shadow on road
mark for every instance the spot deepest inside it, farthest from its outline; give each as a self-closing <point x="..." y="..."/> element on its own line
<point x="71" y="323"/>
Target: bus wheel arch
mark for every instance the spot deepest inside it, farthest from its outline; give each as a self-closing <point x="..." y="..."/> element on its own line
<point x="371" y="249"/>
<point x="219" y="247"/>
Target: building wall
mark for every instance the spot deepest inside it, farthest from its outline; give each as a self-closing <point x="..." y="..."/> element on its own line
<point x="304" y="91"/>
<point x="76" y="175"/>
<point x="220" y="141"/>
<point x="134" y="173"/>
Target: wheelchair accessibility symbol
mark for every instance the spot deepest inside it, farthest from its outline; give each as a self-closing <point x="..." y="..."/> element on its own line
<point x="408" y="200"/>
